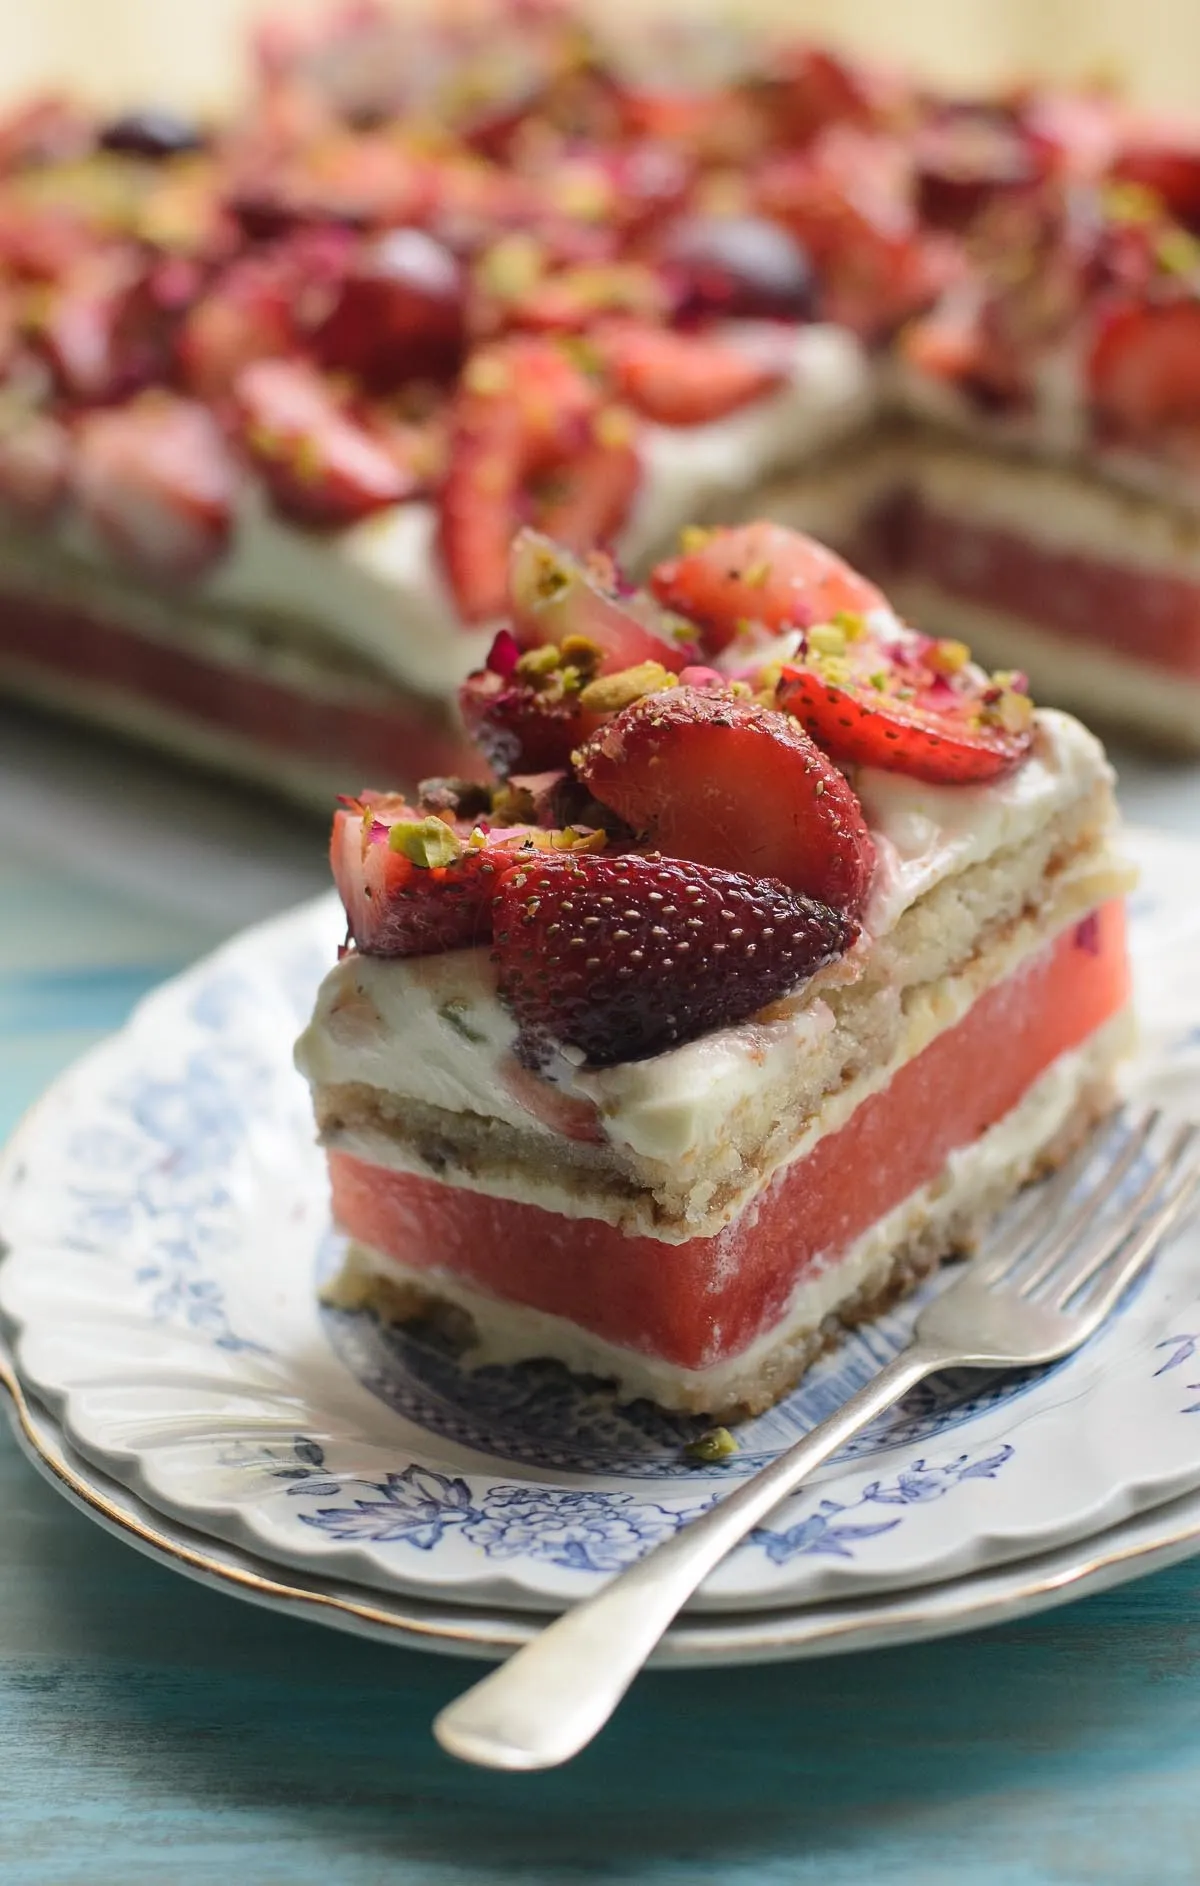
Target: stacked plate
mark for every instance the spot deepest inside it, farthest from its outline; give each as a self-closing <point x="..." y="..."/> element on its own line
<point x="173" y="1367"/>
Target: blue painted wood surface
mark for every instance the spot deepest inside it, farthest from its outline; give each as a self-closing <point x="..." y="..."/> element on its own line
<point x="153" y="1731"/>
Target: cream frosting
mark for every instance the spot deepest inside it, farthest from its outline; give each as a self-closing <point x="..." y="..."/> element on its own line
<point x="377" y="587"/>
<point x="433" y="1028"/>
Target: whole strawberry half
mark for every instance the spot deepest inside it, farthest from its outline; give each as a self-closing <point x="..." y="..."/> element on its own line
<point x="622" y="957"/>
<point x="873" y="692"/>
<point x="723" y="781"/>
<point x="157" y="482"/>
<point x="760" y="573"/>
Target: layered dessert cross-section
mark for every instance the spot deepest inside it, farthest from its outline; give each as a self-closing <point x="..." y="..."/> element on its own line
<point x="790" y="946"/>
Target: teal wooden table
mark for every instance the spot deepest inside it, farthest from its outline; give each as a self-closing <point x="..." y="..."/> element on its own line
<point x="153" y="1731"/>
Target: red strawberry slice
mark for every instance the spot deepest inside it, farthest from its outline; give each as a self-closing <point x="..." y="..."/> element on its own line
<point x="414" y="884"/>
<point x="554" y="594"/>
<point x="1166" y="160"/>
<point x="1144" y="367"/>
<point x="682" y="379"/>
<point x="907" y="703"/>
<point x="35" y="454"/>
<point x="319" y="464"/>
<point x="725" y="782"/>
<point x="248" y="315"/>
<point x="850" y="201"/>
<point x="157" y="482"/>
<point x="523" y="407"/>
<point x="106" y="329"/>
<point x="575" y="298"/>
<point x="586" y="502"/>
<point x="623" y="957"/>
<point x="764" y="574"/>
<point x="396" y="906"/>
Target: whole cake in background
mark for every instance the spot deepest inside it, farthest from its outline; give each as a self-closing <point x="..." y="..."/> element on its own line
<point x="276" y="393"/>
<point x="790" y="945"/>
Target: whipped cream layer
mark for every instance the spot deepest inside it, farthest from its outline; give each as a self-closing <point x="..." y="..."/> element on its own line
<point x="378" y="588"/>
<point x="433" y="1029"/>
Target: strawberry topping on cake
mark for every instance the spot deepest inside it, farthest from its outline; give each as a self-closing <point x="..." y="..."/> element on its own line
<point x="675" y="846"/>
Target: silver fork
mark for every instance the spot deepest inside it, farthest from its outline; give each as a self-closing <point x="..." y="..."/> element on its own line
<point x="1071" y="1255"/>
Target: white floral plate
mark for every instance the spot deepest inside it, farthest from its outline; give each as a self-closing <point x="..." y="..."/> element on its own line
<point x="1149" y="1541"/>
<point x="166" y="1220"/>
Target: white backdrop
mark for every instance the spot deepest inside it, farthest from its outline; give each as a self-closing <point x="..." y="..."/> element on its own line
<point x="186" y="50"/>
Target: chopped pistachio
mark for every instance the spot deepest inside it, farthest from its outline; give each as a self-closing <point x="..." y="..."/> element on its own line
<point x="512" y="266"/>
<point x="947" y="657"/>
<point x="758" y="574"/>
<point x="512" y="805"/>
<point x="1014" y="711"/>
<point x="879" y="680"/>
<point x="694" y="537"/>
<point x="1131" y="203"/>
<point x="826" y="638"/>
<point x="609" y="693"/>
<point x="485" y="374"/>
<point x="536" y="663"/>
<point x="851" y="623"/>
<point x="713" y="1445"/>
<point x="1178" y="252"/>
<point x="425" y="842"/>
<point x="582" y="654"/>
<point x="454" y="1014"/>
<point x="615" y="426"/>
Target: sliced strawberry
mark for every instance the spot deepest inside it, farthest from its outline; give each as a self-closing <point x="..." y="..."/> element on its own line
<point x="811" y="88"/>
<point x="554" y="594"/>
<point x="623" y="957"/>
<point x="523" y="407"/>
<point x="247" y="315"/>
<point x="874" y="693"/>
<point x="35" y="454"/>
<point x="726" y="782"/>
<point x="1144" y="367"/>
<point x="585" y="503"/>
<point x="156" y="480"/>
<point x="520" y="728"/>
<point x="850" y="200"/>
<point x="682" y="379"/>
<point x="105" y="329"/>
<point x="396" y="906"/>
<point x="761" y="573"/>
<point x="413" y="885"/>
<point x="575" y="298"/>
<point x="319" y="464"/>
<point x="398" y="314"/>
<point x="1166" y="160"/>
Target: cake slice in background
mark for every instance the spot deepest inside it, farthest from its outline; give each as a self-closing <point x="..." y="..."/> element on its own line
<point x="791" y="946"/>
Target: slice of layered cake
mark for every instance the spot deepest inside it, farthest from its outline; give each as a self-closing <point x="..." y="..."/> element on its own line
<point x="791" y="946"/>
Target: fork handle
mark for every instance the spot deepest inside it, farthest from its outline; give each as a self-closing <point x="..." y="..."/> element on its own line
<point x="556" y="1693"/>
